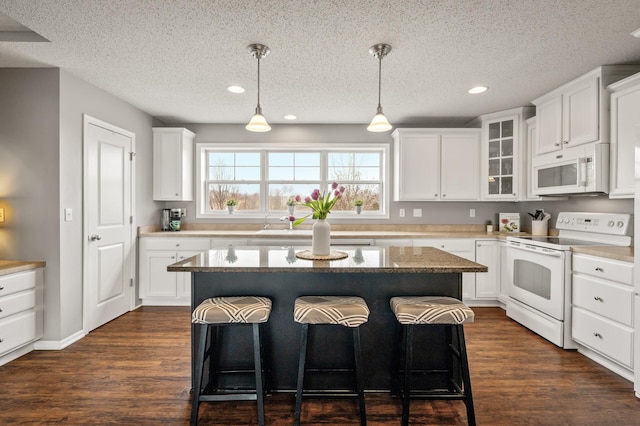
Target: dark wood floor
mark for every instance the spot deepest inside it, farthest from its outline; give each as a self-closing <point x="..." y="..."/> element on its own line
<point x="135" y="370"/>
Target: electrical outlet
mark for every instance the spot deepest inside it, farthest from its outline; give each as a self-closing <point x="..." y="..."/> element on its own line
<point x="417" y="212"/>
<point x="1" y="214"/>
<point x="472" y="212"/>
<point x="68" y="215"/>
<point x="401" y="212"/>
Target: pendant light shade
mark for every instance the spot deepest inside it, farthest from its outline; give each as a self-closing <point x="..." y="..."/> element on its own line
<point x="258" y="123"/>
<point x="379" y="122"/>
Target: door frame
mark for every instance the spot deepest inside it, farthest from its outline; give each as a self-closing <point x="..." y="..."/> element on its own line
<point x="86" y="121"/>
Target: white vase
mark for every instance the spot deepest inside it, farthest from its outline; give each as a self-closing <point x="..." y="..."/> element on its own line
<point x="292" y="210"/>
<point x="231" y="209"/>
<point x="358" y="209"/>
<point x="321" y="238"/>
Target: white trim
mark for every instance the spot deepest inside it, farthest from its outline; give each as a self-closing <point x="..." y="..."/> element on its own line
<point x="86" y="121"/>
<point x="57" y="345"/>
<point x="263" y="148"/>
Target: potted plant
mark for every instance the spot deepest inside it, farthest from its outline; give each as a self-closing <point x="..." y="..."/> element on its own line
<point x="489" y="227"/>
<point x="291" y="204"/>
<point x="231" y="205"/>
<point x="358" y="204"/>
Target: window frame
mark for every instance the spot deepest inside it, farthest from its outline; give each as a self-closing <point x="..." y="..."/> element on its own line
<point x="202" y="149"/>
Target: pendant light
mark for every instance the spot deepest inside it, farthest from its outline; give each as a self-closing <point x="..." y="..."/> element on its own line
<point x="379" y="122"/>
<point x="258" y="123"/>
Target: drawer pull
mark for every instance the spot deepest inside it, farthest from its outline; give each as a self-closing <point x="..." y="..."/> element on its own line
<point x="0" y="309"/>
<point x="599" y="269"/>
<point x="598" y="335"/>
<point x="598" y="298"/>
<point x="1" y="340"/>
<point x="1" y="288"/>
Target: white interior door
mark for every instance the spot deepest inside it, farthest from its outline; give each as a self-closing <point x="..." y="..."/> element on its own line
<point x="107" y="211"/>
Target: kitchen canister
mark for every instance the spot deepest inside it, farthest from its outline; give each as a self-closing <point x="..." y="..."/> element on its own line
<point x="540" y="227"/>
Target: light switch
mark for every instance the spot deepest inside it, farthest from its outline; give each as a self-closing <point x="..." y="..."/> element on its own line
<point x="417" y="212"/>
<point x="68" y="215"/>
<point x="1" y="214"/>
<point x="472" y="212"/>
<point x="401" y="212"/>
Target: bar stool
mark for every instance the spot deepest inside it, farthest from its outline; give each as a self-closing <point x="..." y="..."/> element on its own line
<point x="209" y="316"/>
<point x="434" y="312"/>
<point x="346" y="311"/>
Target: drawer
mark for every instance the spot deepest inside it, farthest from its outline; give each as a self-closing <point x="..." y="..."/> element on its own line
<point x="604" y="336"/>
<point x="177" y="244"/>
<point x="17" y="302"/>
<point x="606" y="269"/>
<point x="448" y="244"/>
<point x="604" y="298"/>
<point x="20" y="281"/>
<point x="17" y="330"/>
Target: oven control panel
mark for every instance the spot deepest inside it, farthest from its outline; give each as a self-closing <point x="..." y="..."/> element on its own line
<point x="601" y="223"/>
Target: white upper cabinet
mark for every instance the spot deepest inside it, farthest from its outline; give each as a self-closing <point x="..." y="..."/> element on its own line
<point x="503" y="154"/>
<point x="436" y="164"/>
<point x="172" y="164"/>
<point x="625" y="130"/>
<point x="577" y="112"/>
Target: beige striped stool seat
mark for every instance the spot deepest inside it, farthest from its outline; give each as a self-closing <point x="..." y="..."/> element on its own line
<point x="232" y="309"/>
<point x="342" y="310"/>
<point x="430" y="310"/>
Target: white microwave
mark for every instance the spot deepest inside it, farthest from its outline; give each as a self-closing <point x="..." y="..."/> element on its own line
<point x="576" y="170"/>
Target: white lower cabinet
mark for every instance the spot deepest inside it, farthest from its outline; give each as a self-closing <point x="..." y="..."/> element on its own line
<point x="157" y="285"/>
<point x="462" y="247"/>
<point x="602" y="312"/>
<point x="488" y="283"/>
<point x="21" y="313"/>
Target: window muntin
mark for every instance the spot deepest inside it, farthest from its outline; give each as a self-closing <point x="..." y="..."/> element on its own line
<point x="262" y="179"/>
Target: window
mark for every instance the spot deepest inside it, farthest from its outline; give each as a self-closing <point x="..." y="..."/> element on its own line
<point x="262" y="178"/>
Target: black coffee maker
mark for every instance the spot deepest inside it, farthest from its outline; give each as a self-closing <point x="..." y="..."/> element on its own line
<point x="175" y="219"/>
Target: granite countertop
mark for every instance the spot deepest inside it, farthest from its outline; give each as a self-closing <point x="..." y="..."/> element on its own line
<point x="369" y="259"/>
<point x="337" y="232"/>
<point x="13" y="266"/>
<point x="624" y="254"/>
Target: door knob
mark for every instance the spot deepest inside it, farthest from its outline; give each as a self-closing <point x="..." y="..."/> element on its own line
<point x="94" y="237"/>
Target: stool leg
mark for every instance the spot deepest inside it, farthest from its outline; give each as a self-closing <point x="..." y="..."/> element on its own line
<point x="301" y="364"/>
<point x="257" y="360"/>
<point x="197" y="388"/>
<point x="408" y="362"/>
<point x="359" y="375"/>
<point x="468" y="401"/>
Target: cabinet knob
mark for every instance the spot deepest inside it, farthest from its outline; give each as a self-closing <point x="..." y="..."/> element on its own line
<point x="1" y="288"/>
<point x="597" y="298"/>
<point x="94" y="237"/>
<point x="173" y="257"/>
<point x="178" y="245"/>
<point x="0" y="309"/>
<point x="555" y="144"/>
<point x="566" y="142"/>
<point x="177" y="194"/>
<point x="444" y="195"/>
<point x="598" y="335"/>
<point x="435" y="195"/>
<point x="1" y="340"/>
<point x="599" y="269"/>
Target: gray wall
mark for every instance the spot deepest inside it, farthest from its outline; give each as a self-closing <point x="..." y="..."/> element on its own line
<point x="29" y="178"/>
<point x="41" y="175"/>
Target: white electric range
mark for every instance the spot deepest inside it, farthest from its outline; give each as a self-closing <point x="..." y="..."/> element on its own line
<point x="539" y="271"/>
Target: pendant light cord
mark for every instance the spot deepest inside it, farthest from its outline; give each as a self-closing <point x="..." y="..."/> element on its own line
<point x="379" y="80"/>
<point x="258" y="81"/>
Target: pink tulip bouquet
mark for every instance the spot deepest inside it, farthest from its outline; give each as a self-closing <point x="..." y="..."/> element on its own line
<point x="320" y="203"/>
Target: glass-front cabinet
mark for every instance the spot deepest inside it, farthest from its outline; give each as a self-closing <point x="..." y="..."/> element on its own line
<point x="503" y="139"/>
<point x="501" y="158"/>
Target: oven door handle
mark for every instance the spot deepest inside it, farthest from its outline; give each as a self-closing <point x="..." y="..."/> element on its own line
<point x="531" y="248"/>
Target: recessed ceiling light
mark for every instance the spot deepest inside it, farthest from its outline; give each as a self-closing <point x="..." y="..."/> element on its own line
<point x="235" y="89"/>
<point x="290" y="117"/>
<point x="636" y="33"/>
<point x="477" y="89"/>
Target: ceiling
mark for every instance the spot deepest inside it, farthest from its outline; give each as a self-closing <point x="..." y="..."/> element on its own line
<point x="175" y="58"/>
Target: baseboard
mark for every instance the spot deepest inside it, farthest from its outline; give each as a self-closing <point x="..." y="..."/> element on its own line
<point x="16" y="354"/>
<point x="57" y="345"/>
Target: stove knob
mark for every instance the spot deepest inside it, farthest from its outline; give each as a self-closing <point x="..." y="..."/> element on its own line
<point x="620" y="224"/>
<point x="610" y="224"/>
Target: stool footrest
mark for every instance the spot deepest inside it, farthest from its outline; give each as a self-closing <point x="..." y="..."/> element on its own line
<point x="229" y="397"/>
<point x="329" y="393"/>
<point x="437" y="395"/>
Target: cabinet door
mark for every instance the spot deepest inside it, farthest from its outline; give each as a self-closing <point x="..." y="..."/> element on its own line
<point x="156" y="280"/>
<point x="503" y="291"/>
<point x="487" y="283"/>
<point x="500" y="157"/>
<point x="625" y="130"/>
<point x="460" y="167"/>
<point x="417" y="167"/>
<point x="527" y="173"/>
<point x="183" y="279"/>
<point x="581" y="113"/>
<point x="549" y="116"/>
<point x="172" y="164"/>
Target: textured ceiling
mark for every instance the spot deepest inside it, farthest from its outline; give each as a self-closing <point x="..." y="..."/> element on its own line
<point x="175" y="58"/>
